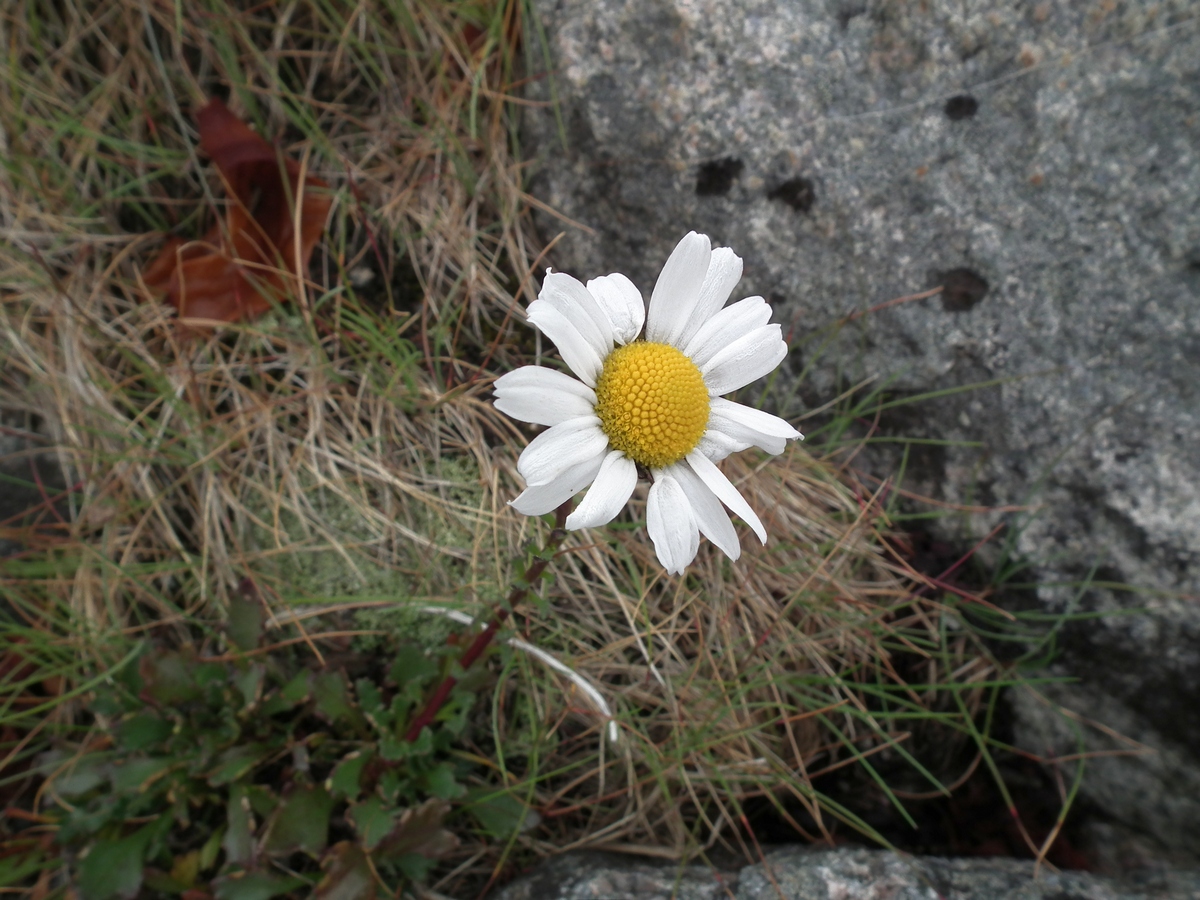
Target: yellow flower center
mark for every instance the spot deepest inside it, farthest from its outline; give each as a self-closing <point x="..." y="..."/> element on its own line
<point x="652" y="403"/>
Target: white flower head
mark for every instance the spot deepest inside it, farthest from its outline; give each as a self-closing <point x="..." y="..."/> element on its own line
<point x="654" y="401"/>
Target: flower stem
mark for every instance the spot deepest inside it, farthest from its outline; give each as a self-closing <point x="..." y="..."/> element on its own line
<point x="521" y="588"/>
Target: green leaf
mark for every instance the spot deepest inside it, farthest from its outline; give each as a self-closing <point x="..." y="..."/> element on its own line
<point x="332" y="700"/>
<point x="393" y="748"/>
<point x="238" y="842"/>
<point x="113" y="868"/>
<point x="261" y="800"/>
<point x="212" y="673"/>
<point x="83" y="776"/>
<point x="301" y="822"/>
<point x="236" y="762"/>
<point x="169" y="677"/>
<point x="249" y="683"/>
<point x="415" y="866"/>
<point x="15" y="869"/>
<point x="371" y="702"/>
<point x="245" y="621"/>
<point x="254" y="885"/>
<point x="348" y="874"/>
<point x="369" y="698"/>
<point x="412" y="669"/>
<point x="500" y="814"/>
<point x="137" y="774"/>
<point x="140" y="731"/>
<point x="346" y="780"/>
<point x="294" y="692"/>
<point x="390" y="784"/>
<point x="372" y="821"/>
<point x="208" y="853"/>
<point x="441" y="783"/>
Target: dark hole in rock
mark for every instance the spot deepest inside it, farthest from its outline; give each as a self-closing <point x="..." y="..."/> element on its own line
<point x="716" y="178"/>
<point x="847" y="13"/>
<point x="962" y="289"/>
<point x="798" y="193"/>
<point x="961" y="106"/>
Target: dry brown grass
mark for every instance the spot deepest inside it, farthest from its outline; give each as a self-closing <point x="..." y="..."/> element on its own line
<point x="356" y="426"/>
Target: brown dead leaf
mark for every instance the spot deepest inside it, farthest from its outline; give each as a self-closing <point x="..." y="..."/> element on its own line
<point x="253" y="257"/>
<point x="348" y="874"/>
<point x="419" y="831"/>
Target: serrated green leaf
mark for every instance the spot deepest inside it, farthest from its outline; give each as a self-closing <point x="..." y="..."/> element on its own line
<point x="441" y="782"/>
<point x="415" y="866"/>
<point x="371" y="702"/>
<point x="331" y="697"/>
<point x="372" y="820"/>
<point x="301" y="822"/>
<point x="294" y="692"/>
<point x="393" y="748"/>
<point x="347" y="774"/>
<point x="412" y="669"/>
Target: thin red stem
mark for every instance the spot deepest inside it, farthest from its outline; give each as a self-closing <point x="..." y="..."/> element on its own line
<point x="482" y="640"/>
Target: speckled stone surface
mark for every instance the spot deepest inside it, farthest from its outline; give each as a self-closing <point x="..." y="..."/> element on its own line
<point x="1042" y="159"/>
<point x="806" y="874"/>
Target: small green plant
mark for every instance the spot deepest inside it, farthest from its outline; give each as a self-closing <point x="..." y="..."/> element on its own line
<point x="254" y="775"/>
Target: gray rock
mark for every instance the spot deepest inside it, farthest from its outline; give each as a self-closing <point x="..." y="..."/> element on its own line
<point x="800" y="873"/>
<point x="610" y="876"/>
<point x="1042" y="161"/>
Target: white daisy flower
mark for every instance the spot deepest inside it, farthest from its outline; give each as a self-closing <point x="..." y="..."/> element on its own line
<point x="654" y="402"/>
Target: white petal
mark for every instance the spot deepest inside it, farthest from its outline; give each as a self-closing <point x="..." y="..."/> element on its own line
<point x="671" y="524"/>
<point x="622" y="303"/>
<point x="717" y="445"/>
<point x="609" y="492"/>
<point x="576" y="350"/>
<point x="725" y="491"/>
<point x="729" y="325"/>
<point x="745" y="360"/>
<point x="543" y="396"/>
<point x="543" y="498"/>
<point x="573" y="300"/>
<point x="710" y="516"/>
<point x="561" y="447"/>
<point x="724" y="272"/>
<point x="752" y="426"/>
<point x="678" y="288"/>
